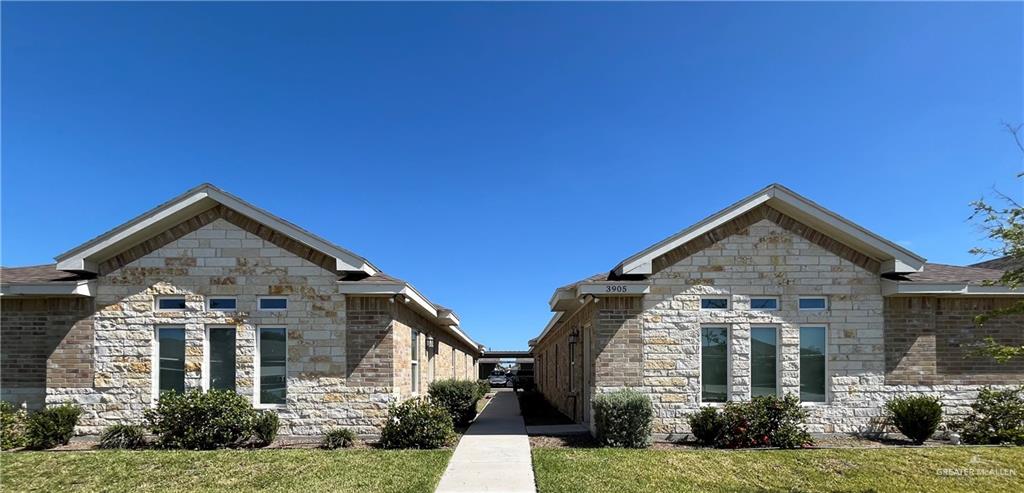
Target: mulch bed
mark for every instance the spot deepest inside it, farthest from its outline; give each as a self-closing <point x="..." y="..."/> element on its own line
<point x="826" y="442"/>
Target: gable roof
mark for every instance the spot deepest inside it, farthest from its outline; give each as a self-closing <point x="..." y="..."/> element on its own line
<point x="942" y="273"/>
<point x="892" y="257"/>
<point x="86" y="257"/>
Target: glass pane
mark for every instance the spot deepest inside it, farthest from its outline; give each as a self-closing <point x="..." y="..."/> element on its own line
<point x="273" y="303"/>
<point x="812" y="364"/>
<point x="714" y="303"/>
<point x="273" y="354"/>
<point x="222" y="303"/>
<point x="762" y="364"/>
<point x="222" y="359"/>
<point x="714" y="350"/>
<point x="764" y="304"/>
<point x="812" y="303"/>
<point x="415" y="345"/>
<point x="171" y="303"/>
<point x="172" y="360"/>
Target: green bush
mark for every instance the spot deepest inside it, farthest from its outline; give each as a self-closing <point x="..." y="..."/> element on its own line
<point x="52" y="426"/>
<point x="483" y="387"/>
<point x="623" y="419"/>
<point x="765" y="421"/>
<point x="123" y="437"/>
<point x="417" y="423"/>
<point x="201" y="420"/>
<point x="997" y="417"/>
<point x="12" y="426"/>
<point x="458" y="397"/>
<point x="264" y="427"/>
<point x="338" y="438"/>
<point x="706" y="425"/>
<point x="917" y="417"/>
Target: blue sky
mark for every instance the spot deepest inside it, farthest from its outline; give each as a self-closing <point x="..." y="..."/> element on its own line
<point x="489" y="153"/>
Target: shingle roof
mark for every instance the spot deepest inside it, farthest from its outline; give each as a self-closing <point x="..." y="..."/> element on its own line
<point x="34" y="274"/>
<point x="1001" y="263"/>
<point x="942" y="273"/>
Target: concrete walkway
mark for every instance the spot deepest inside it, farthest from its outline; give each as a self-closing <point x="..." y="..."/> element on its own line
<point x="494" y="454"/>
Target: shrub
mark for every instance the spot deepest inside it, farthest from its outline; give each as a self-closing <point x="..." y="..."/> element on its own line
<point x="706" y="425"/>
<point x="123" y="436"/>
<point x="458" y="397"/>
<point x="997" y="417"/>
<point x="417" y="423"/>
<point x="917" y="416"/>
<point x="623" y="419"/>
<point x="201" y="420"/>
<point x="765" y="421"/>
<point x="483" y="387"/>
<point x="52" y="426"/>
<point x="12" y="426"/>
<point x="338" y="438"/>
<point x="264" y="427"/>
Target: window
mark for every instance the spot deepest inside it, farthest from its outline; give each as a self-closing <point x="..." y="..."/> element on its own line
<point x="432" y="358"/>
<point x="572" y="366"/>
<point x="220" y="354"/>
<point x="272" y="376"/>
<point x="721" y="303"/>
<point x="269" y="304"/>
<point x="815" y="303"/>
<point x="170" y="303"/>
<point x="713" y="364"/>
<point x="170" y="352"/>
<point x="415" y="362"/>
<point x="556" y="366"/>
<point x="813" y="342"/>
<point x="764" y="303"/>
<point x="763" y="357"/>
<point x="221" y="304"/>
<point x="453" y="362"/>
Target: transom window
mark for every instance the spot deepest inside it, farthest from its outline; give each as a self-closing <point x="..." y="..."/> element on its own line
<point x="170" y="303"/>
<point x="221" y="304"/>
<point x="270" y="304"/>
<point x="714" y="303"/>
<point x="812" y="303"/>
<point x="764" y="303"/>
<point x="714" y="370"/>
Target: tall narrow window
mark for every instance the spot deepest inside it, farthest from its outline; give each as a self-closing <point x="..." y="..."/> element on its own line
<point x="556" y="366"/>
<point x="171" y="359"/>
<point x="763" y="353"/>
<point x="273" y="356"/>
<point x="713" y="364"/>
<point x="813" y="342"/>
<point x="453" y="362"/>
<point x="221" y="366"/>
<point x="415" y="362"/>
<point x="432" y="358"/>
<point x="572" y="366"/>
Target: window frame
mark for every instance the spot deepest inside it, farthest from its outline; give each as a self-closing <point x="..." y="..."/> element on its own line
<point x="453" y="363"/>
<point x="259" y="303"/>
<point x="207" y="368"/>
<point x="209" y="301"/>
<point x="257" y="361"/>
<point x="828" y="386"/>
<point x="778" y="358"/>
<point x="155" y="361"/>
<point x="158" y="299"/>
<point x="778" y="303"/>
<point x="727" y="298"/>
<point x="728" y="365"/>
<point x="414" y="363"/>
<point x="823" y="298"/>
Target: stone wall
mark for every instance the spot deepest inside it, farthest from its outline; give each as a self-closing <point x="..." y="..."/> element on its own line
<point x="44" y="341"/>
<point x="930" y="340"/>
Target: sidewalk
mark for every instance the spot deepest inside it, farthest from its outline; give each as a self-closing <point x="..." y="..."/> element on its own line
<point x="494" y="454"/>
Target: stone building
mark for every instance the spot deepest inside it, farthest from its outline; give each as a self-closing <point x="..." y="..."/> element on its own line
<point x="776" y="295"/>
<point x="207" y="291"/>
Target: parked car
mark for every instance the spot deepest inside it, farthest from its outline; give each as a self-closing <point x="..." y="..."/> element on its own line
<point x="498" y="379"/>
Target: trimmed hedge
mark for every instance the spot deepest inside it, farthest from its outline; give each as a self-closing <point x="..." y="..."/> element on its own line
<point x="123" y="437"/>
<point x="997" y="417"/>
<point x="200" y="420"/>
<point x="483" y="387"/>
<point x="623" y="419"/>
<point x="264" y="427"/>
<point x="419" y="424"/>
<point x="917" y="417"/>
<point x="458" y="397"/>
<point x="706" y="425"/>
<point x="338" y="438"/>
<point x="13" y="422"/>
<point x="52" y="426"/>
<point x="764" y="421"/>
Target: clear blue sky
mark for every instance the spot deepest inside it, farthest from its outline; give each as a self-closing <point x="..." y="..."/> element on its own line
<point x="489" y="153"/>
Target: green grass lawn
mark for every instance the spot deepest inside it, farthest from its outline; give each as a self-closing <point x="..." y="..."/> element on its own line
<point x="862" y="470"/>
<point x="225" y="470"/>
